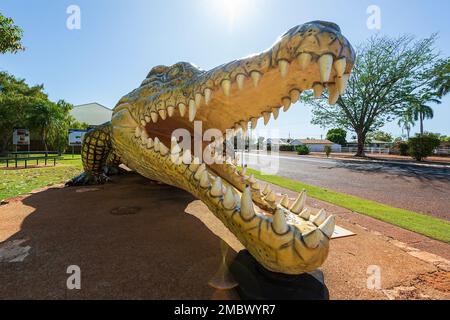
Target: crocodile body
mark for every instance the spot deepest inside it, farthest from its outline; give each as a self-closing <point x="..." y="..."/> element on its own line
<point x="284" y="237"/>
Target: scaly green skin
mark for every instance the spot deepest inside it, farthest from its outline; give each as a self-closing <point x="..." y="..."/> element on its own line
<point x="284" y="238"/>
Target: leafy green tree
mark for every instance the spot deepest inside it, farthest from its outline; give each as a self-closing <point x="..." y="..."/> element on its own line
<point x="442" y="81"/>
<point x="423" y="145"/>
<point x="16" y="98"/>
<point x="10" y="36"/>
<point x="380" y="136"/>
<point x="389" y="74"/>
<point x="406" y="122"/>
<point x="338" y="136"/>
<point x="421" y="110"/>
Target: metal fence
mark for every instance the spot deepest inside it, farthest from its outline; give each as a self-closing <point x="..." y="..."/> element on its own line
<point x="366" y="150"/>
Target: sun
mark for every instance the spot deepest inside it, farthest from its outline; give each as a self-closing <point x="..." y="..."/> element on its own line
<point x="232" y="10"/>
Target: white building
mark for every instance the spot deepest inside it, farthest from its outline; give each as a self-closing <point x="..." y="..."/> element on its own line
<point x="93" y="114"/>
<point x="317" y="145"/>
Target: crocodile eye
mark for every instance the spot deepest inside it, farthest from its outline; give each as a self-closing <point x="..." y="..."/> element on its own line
<point x="173" y="73"/>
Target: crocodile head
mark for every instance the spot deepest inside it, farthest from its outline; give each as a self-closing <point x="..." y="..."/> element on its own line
<point x="284" y="237"/>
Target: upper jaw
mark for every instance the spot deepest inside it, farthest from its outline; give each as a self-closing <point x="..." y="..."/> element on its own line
<point x="310" y="56"/>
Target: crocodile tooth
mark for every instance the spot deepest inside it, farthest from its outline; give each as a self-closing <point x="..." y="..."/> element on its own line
<point x="325" y="66"/>
<point x="217" y="188"/>
<point x="341" y="83"/>
<point x="194" y="165"/>
<point x="256" y="186"/>
<point x="340" y="65"/>
<point x="304" y="60"/>
<point x="156" y="144"/>
<point x="243" y="171"/>
<point x="147" y="119"/>
<point x="267" y="190"/>
<point x="279" y="222"/>
<point x="285" y="201"/>
<point x="163" y="149"/>
<point x="266" y="116"/>
<point x="276" y="113"/>
<point x="299" y="203"/>
<point x="175" y="148"/>
<point x="144" y="136"/>
<point x="150" y="143"/>
<point x="286" y="103"/>
<point x="305" y="214"/>
<point x="247" y="208"/>
<point x="137" y="132"/>
<point x="187" y="157"/>
<point x="254" y="122"/>
<point x="318" y="90"/>
<point x="319" y="218"/>
<point x="240" y="79"/>
<point x="283" y="65"/>
<point x="198" y="99"/>
<point x="143" y="122"/>
<point x="154" y="116"/>
<point x="163" y="114"/>
<point x="204" y="180"/>
<point x="295" y="95"/>
<point x="312" y="238"/>
<point x="208" y="93"/>
<point x="251" y="179"/>
<point x="192" y="110"/>
<point x="229" y="201"/>
<point x="244" y="126"/>
<point x="327" y="227"/>
<point x="182" y="109"/>
<point x="226" y="87"/>
<point x="199" y="172"/>
<point x="270" y="197"/>
<point x="333" y="94"/>
<point x="170" y="111"/>
<point x="256" y="77"/>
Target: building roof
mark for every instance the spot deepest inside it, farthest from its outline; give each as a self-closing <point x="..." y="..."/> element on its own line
<point x="93" y="114"/>
<point x="315" y="141"/>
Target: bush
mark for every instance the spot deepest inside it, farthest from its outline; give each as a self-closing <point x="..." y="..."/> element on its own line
<point x="327" y="150"/>
<point x="286" y="147"/>
<point x="422" y="146"/>
<point x="302" y="150"/>
<point x="403" y="147"/>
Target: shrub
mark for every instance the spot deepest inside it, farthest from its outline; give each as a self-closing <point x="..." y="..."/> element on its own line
<point x="327" y="150"/>
<point x="422" y="146"/>
<point x="286" y="147"/>
<point x="302" y="150"/>
<point x="403" y="148"/>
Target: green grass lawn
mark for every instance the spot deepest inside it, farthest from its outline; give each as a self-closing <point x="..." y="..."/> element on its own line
<point x="16" y="182"/>
<point x="429" y="226"/>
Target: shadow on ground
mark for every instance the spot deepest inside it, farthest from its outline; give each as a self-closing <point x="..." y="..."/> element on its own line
<point x="131" y="239"/>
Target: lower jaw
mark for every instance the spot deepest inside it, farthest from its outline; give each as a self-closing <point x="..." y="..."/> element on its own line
<point x="279" y="252"/>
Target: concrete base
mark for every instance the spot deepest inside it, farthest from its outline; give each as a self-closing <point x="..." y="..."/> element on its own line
<point x="258" y="283"/>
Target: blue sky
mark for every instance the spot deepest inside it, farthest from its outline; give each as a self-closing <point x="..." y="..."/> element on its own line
<point x="119" y="41"/>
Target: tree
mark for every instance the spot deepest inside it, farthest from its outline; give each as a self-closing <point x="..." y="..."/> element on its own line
<point x="337" y="135"/>
<point x="16" y="98"/>
<point x="406" y="122"/>
<point x="421" y="111"/>
<point x="10" y="36"/>
<point x="380" y="136"/>
<point x="442" y="80"/>
<point x="388" y="75"/>
<point x="423" y="145"/>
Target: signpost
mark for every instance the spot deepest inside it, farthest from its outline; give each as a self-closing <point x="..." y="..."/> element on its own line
<point x="76" y="138"/>
<point x="21" y="137"/>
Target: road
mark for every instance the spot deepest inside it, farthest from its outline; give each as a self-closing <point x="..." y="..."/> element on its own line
<point x="417" y="188"/>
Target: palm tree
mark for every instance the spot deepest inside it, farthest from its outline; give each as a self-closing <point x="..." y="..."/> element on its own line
<point x="406" y="122"/>
<point x="421" y="111"/>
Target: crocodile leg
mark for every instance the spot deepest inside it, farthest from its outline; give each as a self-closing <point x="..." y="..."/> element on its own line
<point x="98" y="158"/>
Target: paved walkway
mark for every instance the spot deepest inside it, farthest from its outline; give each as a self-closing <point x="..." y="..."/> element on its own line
<point x="136" y="239"/>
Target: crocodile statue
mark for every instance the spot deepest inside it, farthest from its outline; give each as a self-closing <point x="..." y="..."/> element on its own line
<point x="282" y="236"/>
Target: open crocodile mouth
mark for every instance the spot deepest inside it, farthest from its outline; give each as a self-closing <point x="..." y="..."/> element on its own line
<point x="284" y="236"/>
